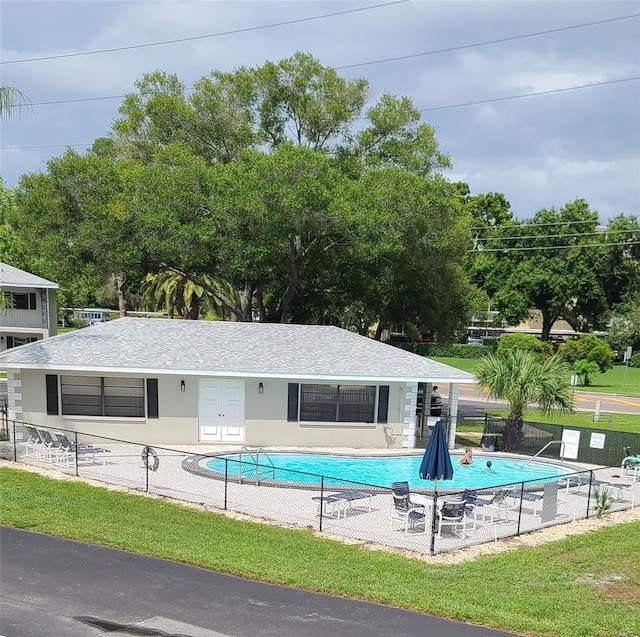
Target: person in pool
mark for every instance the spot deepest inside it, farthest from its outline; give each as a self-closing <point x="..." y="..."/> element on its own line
<point x="489" y="467"/>
<point x="467" y="458"/>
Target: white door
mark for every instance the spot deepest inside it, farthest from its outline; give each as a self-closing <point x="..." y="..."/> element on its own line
<point x="221" y="410"/>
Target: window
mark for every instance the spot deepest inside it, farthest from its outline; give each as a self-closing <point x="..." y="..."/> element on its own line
<point x="337" y="403"/>
<point x="20" y="300"/>
<point x="16" y="341"/>
<point x="96" y="396"/>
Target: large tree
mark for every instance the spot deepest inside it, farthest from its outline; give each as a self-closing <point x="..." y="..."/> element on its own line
<point x="551" y="263"/>
<point x="281" y="180"/>
<point x="522" y="378"/>
<point x="71" y="223"/>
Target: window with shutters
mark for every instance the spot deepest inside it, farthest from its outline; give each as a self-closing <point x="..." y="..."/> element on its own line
<point x="102" y="396"/>
<point x="337" y="403"/>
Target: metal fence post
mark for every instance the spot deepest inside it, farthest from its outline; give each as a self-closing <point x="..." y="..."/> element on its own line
<point x="321" y="500"/>
<point x="434" y="509"/>
<point x="226" y="481"/>
<point x="75" y="452"/>
<point x="146" y="468"/>
<point x="589" y="492"/>
<point x="15" y="443"/>
<point x="520" y="507"/>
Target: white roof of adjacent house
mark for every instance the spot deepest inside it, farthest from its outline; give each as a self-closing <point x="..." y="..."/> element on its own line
<point x="265" y="350"/>
<point x="11" y="277"/>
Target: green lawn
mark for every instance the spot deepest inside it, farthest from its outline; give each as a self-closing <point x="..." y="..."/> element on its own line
<point x="613" y="381"/>
<point x="561" y="589"/>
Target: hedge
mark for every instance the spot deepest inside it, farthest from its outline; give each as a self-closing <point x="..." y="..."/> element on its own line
<point x="453" y="350"/>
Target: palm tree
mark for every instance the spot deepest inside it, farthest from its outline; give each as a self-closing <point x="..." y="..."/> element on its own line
<point x="173" y="291"/>
<point x="522" y="378"/>
<point x="11" y="101"/>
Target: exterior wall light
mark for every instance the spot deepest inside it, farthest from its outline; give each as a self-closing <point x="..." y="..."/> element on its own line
<point x="260" y="388"/>
<point x="183" y="386"/>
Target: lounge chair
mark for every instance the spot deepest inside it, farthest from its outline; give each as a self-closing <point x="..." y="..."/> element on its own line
<point x="51" y="449"/>
<point x="339" y="504"/>
<point x="70" y="451"/>
<point x="502" y="502"/>
<point x="532" y="496"/>
<point x="410" y="514"/>
<point x="34" y="443"/>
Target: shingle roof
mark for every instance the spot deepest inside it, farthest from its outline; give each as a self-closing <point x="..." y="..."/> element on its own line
<point x="228" y="349"/>
<point x="11" y="277"/>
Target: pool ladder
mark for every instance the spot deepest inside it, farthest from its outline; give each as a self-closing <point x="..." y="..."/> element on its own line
<point x="556" y="442"/>
<point x="254" y="462"/>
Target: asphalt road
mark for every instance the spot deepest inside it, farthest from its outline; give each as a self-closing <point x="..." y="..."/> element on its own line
<point x="57" y="588"/>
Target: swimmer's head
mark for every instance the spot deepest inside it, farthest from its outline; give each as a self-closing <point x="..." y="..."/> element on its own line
<point x="488" y="464"/>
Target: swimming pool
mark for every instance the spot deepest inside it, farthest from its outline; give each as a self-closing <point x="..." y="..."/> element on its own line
<point x="382" y="470"/>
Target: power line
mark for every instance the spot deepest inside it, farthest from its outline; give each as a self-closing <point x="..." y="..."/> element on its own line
<point x="206" y="36"/>
<point x="566" y="247"/>
<point x="559" y="236"/>
<point x="487" y="42"/>
<point x="404" y="57"/>
<point x="532" y="224"/>
<point x="517" y="97"/>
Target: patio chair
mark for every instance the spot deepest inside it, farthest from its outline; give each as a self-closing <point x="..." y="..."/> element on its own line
<point x="410" y="514"/>
<point x="451" y="513"/>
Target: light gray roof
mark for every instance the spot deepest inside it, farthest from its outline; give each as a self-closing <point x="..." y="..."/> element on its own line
<point x="11" y="277"/>
<point x="163" y="346"/>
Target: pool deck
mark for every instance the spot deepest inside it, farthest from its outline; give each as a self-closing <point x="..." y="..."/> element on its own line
<point x="368" y="519"/>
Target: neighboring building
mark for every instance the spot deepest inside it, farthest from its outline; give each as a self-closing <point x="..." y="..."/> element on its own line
<point x="487" y="330"/>
<point x="87" y="315"/>
<point x="28" y="309"/>
<point x="185" y="382"/>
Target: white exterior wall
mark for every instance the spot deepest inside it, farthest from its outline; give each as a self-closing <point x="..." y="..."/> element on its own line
<point x="265" y="415"/>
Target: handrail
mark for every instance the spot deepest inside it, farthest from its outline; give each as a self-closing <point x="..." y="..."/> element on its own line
<point x="560" y="442"/>
<point x="256" y="462"/>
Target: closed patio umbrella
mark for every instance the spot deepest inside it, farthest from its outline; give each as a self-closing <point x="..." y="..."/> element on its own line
<point x="436" y="465"/>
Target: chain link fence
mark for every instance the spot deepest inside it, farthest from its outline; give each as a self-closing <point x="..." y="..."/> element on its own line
<point x="596" y="446"/>
<point x="248" y="482"/>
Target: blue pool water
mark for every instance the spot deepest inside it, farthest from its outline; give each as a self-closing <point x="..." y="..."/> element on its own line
<point x="382" y="470"/>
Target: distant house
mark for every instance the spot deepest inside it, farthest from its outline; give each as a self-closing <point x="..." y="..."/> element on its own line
<point x="28" y="307"/>
<point x="185" y="382"/>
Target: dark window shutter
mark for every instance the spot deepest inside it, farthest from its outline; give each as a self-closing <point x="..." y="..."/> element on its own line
<point x="52" y="394"/>
<point x="32" y="300"/>
<point x="292" y="402"/>
<point x="383" y="404"/>
<point x="10" y="343"/>
<point x="152" y="398"/>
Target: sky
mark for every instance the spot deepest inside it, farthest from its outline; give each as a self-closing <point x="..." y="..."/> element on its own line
<point x="540" y="151"/>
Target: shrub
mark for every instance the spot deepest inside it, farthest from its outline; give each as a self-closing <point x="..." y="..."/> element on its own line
<point x="635" y="360"/>
<point x="509" y="342"/>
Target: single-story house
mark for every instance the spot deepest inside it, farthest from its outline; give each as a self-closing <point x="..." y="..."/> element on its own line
<point x="158" y="381"/>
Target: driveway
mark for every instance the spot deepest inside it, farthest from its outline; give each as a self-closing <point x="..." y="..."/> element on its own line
<point x="52" y="586"/>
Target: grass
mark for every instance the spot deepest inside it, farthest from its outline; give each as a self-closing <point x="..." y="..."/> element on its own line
<point x="560" y="589"/>
<point x="613" y="381"/>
